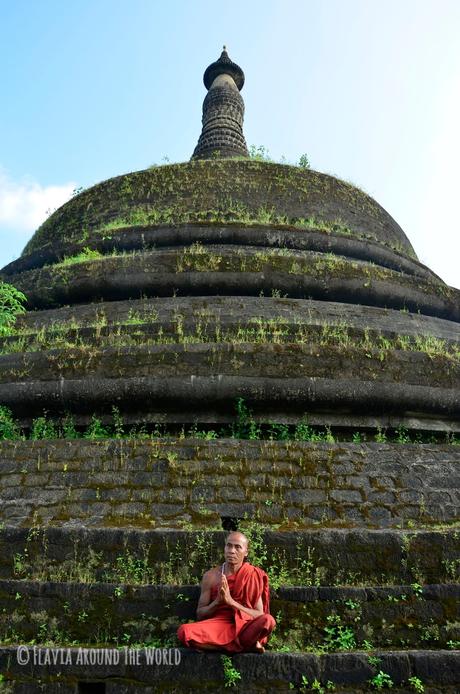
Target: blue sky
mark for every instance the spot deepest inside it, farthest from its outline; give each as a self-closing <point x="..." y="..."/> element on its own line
<point x="369" y="90"/>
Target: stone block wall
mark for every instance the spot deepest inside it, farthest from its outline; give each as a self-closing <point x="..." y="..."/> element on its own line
<point x="195" y="483"/>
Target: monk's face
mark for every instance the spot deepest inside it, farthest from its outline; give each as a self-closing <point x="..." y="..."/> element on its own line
<point x="236" y="548"/>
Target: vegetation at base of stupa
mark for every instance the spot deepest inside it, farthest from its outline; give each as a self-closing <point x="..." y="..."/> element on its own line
<point x="244" y="427"/>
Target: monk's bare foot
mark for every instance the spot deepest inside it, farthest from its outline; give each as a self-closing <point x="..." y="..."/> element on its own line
<point x="259" y="648"/>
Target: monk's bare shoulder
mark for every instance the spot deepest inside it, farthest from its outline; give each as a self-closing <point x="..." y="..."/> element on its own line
<point x="211" y="576"/>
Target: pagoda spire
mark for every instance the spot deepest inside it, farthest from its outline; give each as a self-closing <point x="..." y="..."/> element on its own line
<point x="223" y="111"/>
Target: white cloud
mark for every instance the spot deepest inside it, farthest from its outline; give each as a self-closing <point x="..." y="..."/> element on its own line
<point x="25" y="204"/>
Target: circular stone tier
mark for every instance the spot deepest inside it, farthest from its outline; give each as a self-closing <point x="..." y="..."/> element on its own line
<point x="221" y="190"/>
<point x="186" y="359"/>
<point x="173" y="292"/>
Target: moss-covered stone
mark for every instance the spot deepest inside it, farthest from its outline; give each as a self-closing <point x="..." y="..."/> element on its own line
<point x="220" y="188"/>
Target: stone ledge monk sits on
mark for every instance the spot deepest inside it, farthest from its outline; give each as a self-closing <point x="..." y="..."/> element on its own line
<point x="233" y="609"/>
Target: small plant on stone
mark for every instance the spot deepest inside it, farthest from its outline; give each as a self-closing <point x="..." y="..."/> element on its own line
<point x="380" y="436"/>
<point x="402" y="435"/>
<point x="374" y="660"/>
<point x="131" y="569"/>
<point x="416" y="684"/>
<point x="304" y="685"/>
<point x="11" y="305"/>
<point x="258" y="552"/>
<point x="381" y="680"/>
<point x="43" y="428"/>
<point x="418" y="590"/>
<point x="430" y="632"/>
<point x="259" y="153"/>
<point x="96" y="429"/>
<point x="453" y="645"/>
<point x="315" y="686"/>
<point x="278" y="432"/>
<point x="303" y="162"/>
<point x="338" y="636"/>
<point x="452" y="568"/>
<point x="231" y="674"/>
<point x="118" y="425"/>
<point x="86" y="254"/>
<point x="20" y="563"/>
<point x="305" y="569"/>
<point x="68" y="428"/>
<point x="245" y="427"/>
<point x="303" y="432"/>
<point x="9" y="429"/>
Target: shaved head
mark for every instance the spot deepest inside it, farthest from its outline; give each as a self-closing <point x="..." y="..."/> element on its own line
<point x="234" y="534"/>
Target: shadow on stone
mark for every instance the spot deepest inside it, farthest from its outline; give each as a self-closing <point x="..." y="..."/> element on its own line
<point x="91" y="688"/>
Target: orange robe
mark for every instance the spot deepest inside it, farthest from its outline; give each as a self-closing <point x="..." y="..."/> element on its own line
<point x="222" y="630"/>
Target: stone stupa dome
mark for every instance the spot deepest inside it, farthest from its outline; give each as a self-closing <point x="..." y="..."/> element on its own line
<point x="246" y="240"/>
<point x="266" y="352"/>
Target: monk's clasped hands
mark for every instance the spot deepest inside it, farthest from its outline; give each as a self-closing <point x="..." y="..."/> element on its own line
<point x="224" y="592"/>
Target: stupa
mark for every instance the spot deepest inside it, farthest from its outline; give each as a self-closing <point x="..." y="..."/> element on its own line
<point x="230" y="342"/>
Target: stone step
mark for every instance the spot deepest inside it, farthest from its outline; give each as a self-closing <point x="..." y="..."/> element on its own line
<point x="308" y="617"/>
<point x="146" y="237"/>
<point x="313" y="557"/>
<point x="159" y="274"/>
<point x="177" y="483"/>
<point x="184" y="672"/>
<point x="213" y="312"/>
<point x="243" y="360"/>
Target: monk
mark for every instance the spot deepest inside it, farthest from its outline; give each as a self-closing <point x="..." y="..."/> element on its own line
<point x="233" y="609"/>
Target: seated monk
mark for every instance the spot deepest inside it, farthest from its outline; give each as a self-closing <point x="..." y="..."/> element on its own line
<point x="233" y="609"/>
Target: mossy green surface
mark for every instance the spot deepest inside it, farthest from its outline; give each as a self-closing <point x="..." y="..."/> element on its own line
<point x="226" y="189"/>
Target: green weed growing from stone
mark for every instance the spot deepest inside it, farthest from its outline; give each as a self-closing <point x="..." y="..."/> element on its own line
<point x="374" y="660"/>
<point x="338" y="636"/>
<point x="402" y="435"/>
<point x="96" y="430"/>
<point x="85" y="255"/>
<point x="245" y="426"/>
<point x="303" y="162"/>
<point x="416" y="684"/>
<point x="43" y="428"/>
<point x="259" y="153"/>
<point x="9" y="428"/>
<point x="11" y="306"/>
<point x="231" y="674"/>
<point x="315" y="686"/>
<point x="381" y="680"/>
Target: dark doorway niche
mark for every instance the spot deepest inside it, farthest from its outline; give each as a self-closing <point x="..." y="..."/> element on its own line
<point x="230" y="523"/>
<point x="91" y="688"/>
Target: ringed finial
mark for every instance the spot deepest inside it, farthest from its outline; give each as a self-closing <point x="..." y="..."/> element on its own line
<point x="224" y="66"/>
<point x="223" y="112"/>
